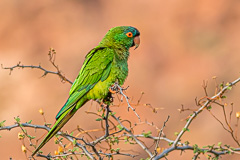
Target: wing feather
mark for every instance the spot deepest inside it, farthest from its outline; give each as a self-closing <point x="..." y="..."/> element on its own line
<point x="96" y="67"/>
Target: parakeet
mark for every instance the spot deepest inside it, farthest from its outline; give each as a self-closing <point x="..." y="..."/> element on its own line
<point x="103" y="66"/>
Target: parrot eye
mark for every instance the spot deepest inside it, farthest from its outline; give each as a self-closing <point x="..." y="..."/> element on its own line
<point x="129" y="34"/>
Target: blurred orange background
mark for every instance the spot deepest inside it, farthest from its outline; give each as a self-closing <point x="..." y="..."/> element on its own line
<point x="182" y="44"/>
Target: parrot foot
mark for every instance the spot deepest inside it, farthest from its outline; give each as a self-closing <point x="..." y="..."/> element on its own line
<point x="111" y="90"/>
<point x="114" y="88"/>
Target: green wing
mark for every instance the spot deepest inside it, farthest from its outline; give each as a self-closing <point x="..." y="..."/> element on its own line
<point x="96" y="67"/>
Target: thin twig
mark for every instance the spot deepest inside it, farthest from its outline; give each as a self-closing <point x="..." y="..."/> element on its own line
<point x="208" y="101"/>
<point x="132" y="135"/>
<point x="159" y="135"/>
<point x="52" y="56"/>
<point x="119" y="89"/>
<point x="183" y="148"/>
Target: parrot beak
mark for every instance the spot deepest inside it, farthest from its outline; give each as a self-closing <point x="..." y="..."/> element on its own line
<point x="136" y="41"/>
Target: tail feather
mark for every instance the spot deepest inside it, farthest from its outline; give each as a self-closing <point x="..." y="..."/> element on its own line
<point x="61" y="121"/>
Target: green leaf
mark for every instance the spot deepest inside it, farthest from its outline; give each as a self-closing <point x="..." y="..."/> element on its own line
<point x="195" y="148"/>
<point x="186" y="129"/>
<point x="229" y="87"/>
<point x="100" y="109"/>
<point x="176" y="133"/>
<point x="148" y="134"/>
<point x="112" y="113"/>
<point x="99" y="119"/>
<point x="219" y="143"/>
<point x="29" y="122"/>
<point x="2" y="123"/>
<point x="186" y="142"/>
<point x="17" y="119"/>
<point x="75" y="149"/>
<point x="116" y="140"/>
<point x="116" y="150"/>
<point x="205" y="151"/>
<point x="74" y="142"/>
<point x="209" y="107"/>
<point x="119" y="127"/>
<point x="221" y="85"/>
<point x="31" y="137"/>
<point x="103" y="115"/>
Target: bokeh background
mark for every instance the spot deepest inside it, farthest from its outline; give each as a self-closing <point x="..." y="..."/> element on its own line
<point x="182" y="44"/>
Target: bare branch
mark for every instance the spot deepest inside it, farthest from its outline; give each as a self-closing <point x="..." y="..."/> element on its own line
<point x="119" y="89"/>
<point x="213" y="98"/>
<point x="52" y="56"/>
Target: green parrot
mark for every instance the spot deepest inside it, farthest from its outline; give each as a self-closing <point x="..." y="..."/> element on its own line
<point x="103" y="66"/>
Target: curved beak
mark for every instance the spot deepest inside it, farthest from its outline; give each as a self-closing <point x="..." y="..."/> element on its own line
<point x="136" y="41"/>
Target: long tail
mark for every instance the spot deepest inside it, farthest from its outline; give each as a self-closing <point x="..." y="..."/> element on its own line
<point x="61" y="121"/>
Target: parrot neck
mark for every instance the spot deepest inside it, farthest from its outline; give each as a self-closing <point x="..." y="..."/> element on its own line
<point x="121" y="51"/>
<point x="112" y="44"/>
<point x="121" y="54"/>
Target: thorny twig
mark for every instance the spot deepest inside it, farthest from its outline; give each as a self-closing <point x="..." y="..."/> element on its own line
<point x="205" y="105"/>
<point x="229" y="130"/>
<point x="51" y="54"/>
<point x="132" y="135"/>
<point x="176" y="143"/>
<point x="119" y="89"/>
<point x="68" y="137"/>
<point x="214" y="151"/>
<point x="159" y="135"/>
<point x="219" y="94"/>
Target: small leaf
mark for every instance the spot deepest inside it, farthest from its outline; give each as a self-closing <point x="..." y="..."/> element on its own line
<point x="2" y="123"/>
<point x="119" y="127"/>
<point x="99" y="119"/>
<point x="112" y="113"/>
<point x="148" y="134"/>
<point x="17" y="119"/>
<point x="221" y="85"/>
<point x="186" y="142"/>
<point x="74" y="142"/>
<point x="209" y="107"/>
<point x="29" y="122"/>
<point x="31" y="137"/>
<point x="229" y="87"/>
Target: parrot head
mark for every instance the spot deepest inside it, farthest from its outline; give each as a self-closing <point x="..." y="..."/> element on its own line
<point x="122" y="37"/>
